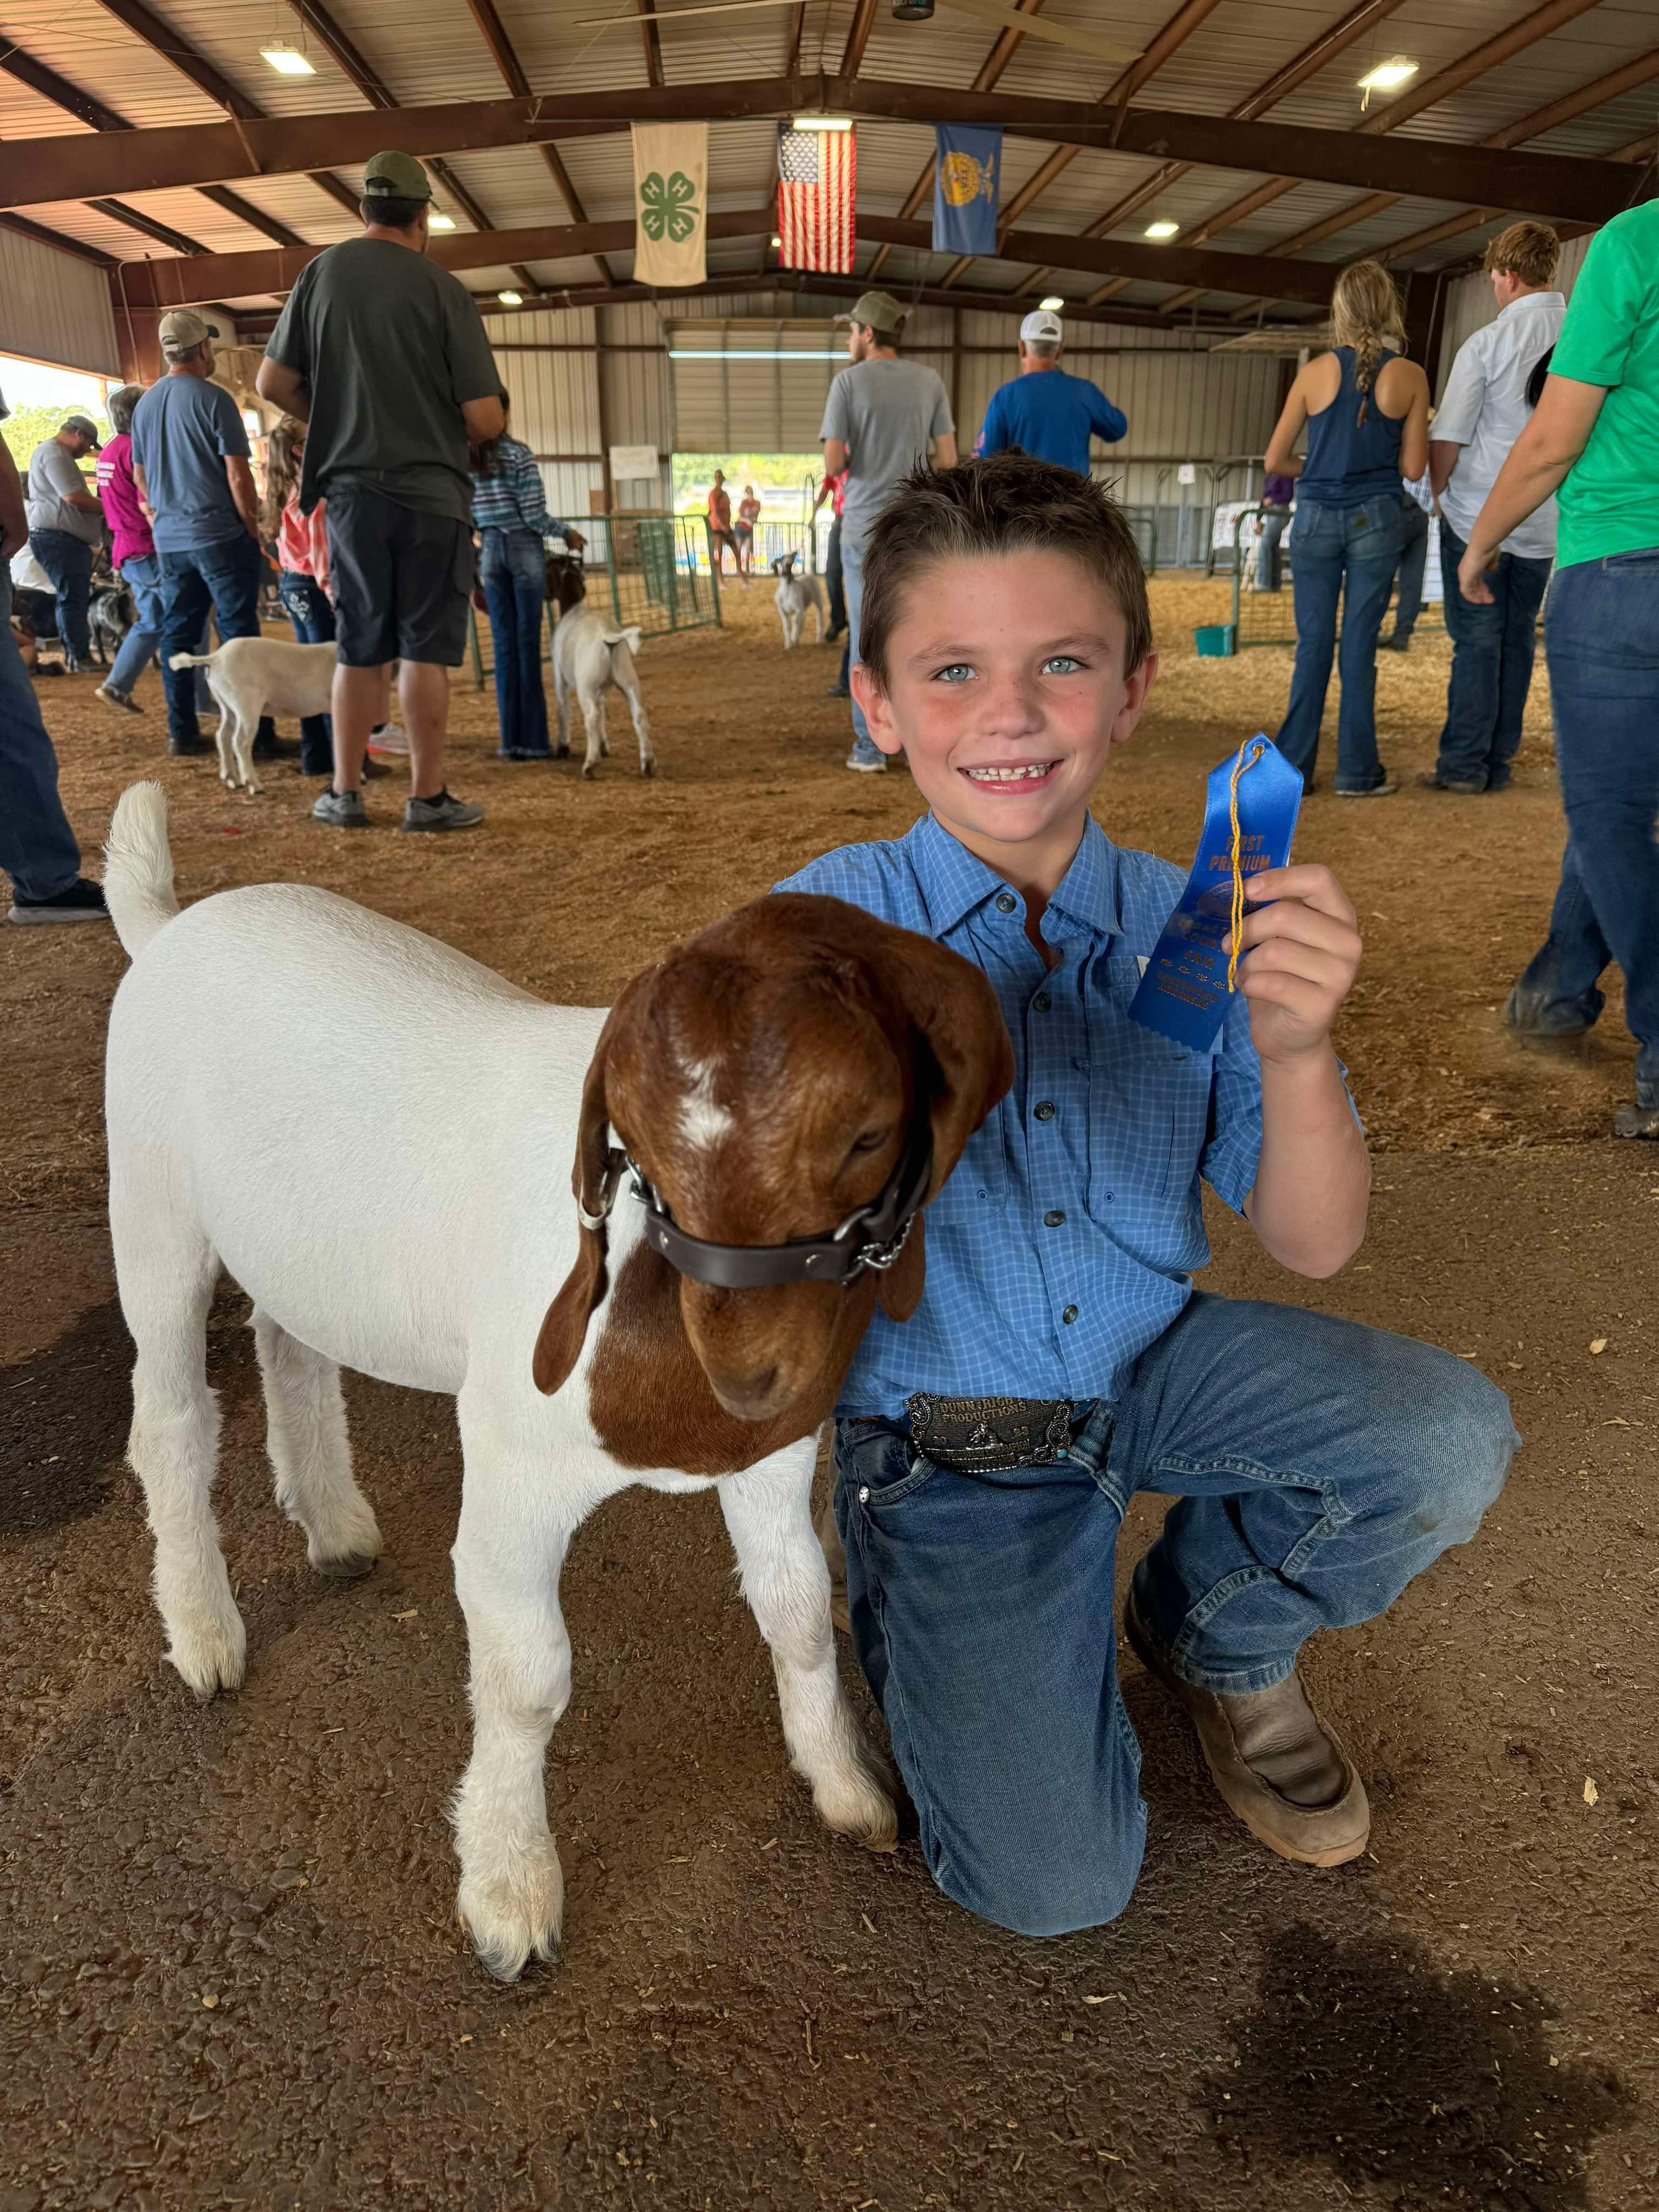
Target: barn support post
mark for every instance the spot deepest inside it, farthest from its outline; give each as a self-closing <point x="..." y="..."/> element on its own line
<point x="956" y="371"/>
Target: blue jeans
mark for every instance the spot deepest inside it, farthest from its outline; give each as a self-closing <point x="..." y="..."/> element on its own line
<point x="512" y="569"/>
<point x="1602" y="644"/>
<point x="142" y="575"/>
<point x="68" y="561"/>
<point x="223" y="578"/>
<point x="312" y="620"/>
<point x="1414" y="563"/>
<point x="1492" y="650"/>
<point x="851" y="580"/>
<point x="38" y="849"/>
<point x="1274" y="520"/>
<point x="1318" y="1466"/>
<point x="1359" y="544"/>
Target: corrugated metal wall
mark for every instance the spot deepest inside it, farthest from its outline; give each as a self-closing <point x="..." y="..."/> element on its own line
<point x="1471" y="305"/>
<point x="55" y="307"/>
<point x="1183" y="405"/>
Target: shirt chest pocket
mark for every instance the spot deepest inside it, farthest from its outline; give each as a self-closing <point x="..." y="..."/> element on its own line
<point x="1150" y="1121"/>
<point x="978" y="1186"/>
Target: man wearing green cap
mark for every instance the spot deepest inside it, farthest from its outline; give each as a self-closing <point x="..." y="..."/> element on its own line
<point x="384" y="354"/>
<point x="878" y="422"/>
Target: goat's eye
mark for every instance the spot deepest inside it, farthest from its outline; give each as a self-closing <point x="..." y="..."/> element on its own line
<point x="871" y="1140"/>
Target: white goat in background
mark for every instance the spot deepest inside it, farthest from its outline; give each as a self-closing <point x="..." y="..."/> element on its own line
<point x="587" y="659"/>
<point x="254" y="675"/>
<point x="792" y="597"/>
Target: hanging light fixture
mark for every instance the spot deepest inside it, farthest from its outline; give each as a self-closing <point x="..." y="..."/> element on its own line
<point x="912" y="11"/>
<point x="510" y="299"/>
<point x="436" y="221"/>
<point x="1163" y="228"/>
<point x="286" y="60"/>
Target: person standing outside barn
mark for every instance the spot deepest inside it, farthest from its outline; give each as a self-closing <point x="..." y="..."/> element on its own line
<point x="1594" y="440"/>
<point x="720" y="532"/>
<point x="1484" y="409"/>
<point x="66" y="524"/>
<point x="1045" y="410"/>
<point x="190" y="464"/>
<point x="880" y="417"/>
<point x="384" y="356"/>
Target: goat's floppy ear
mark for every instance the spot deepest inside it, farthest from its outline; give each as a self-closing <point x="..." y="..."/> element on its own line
<point x="564" y="1326"/>
<point x="954" y="1013"/>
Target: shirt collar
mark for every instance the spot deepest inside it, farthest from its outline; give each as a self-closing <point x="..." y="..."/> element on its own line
<point x="1532" y="300"/>
<point x="954" y="882"/>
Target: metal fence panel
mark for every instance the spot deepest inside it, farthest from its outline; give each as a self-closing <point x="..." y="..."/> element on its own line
<point x="1269" y="617"/>
<point x="648" y="569"/>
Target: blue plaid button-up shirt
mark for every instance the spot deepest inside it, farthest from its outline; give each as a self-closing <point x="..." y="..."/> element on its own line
<point x="1065" y="1240"/>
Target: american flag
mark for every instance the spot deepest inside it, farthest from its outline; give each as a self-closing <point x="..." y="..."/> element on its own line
<point x="816" y="172"/>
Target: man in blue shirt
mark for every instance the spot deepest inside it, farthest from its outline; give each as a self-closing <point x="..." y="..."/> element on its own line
<point x="1045" y="411"/>
<point x="1060" y="1358"/>
<point x="190" y="461"/>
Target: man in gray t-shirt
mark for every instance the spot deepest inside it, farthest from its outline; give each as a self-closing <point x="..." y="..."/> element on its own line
<point x="65" y="524"/>
<point x="878" y="420"/>
<point x="384" y="356"/>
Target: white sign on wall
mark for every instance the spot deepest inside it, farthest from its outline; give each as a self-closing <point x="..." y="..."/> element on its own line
<point x="1187" y="473"/>
<point x="629" y="463"/>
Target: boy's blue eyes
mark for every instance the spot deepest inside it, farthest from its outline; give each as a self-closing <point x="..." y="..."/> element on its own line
<point x="1058" y="664"/>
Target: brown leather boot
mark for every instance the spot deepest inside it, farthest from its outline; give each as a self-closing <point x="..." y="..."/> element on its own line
<point x="1277" y="1763"/>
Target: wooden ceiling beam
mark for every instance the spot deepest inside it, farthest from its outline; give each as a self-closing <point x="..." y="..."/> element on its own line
<point x="75" y="167"/>
<point x="485" y="16"/>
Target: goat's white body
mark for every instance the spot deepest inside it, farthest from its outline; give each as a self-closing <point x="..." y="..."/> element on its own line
<point x="252" y="676"/>
<point x="373" y="1134"/>
<point x="587" y="659"/>
<point x="793" y="596"/>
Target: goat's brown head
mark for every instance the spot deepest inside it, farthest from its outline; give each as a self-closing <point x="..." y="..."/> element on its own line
<point x="764" y="1078"/>
<point x="565" y="585"/>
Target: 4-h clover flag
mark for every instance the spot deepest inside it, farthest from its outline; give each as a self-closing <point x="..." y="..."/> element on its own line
<point x="966" y="177"/>
<point x="671" y="197"/>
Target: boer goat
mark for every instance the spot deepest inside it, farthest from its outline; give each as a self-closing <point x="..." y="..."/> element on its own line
<point x="587" y="659"/>
<point x="792" y="597"/>
<point x="252" y="676"/>
<point x="787" y="1089"/>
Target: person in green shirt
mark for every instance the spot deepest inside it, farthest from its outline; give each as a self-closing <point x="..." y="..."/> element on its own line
<point x="1594" y="440"/>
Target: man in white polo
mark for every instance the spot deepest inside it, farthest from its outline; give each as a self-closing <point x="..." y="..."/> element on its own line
<point x="880" y="416"/>
<point x="1488" y="400"/>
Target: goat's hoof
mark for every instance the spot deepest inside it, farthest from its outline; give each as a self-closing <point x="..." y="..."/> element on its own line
<point x="648" y="768"/>
<point x="516" y="1918"/>
<point x="210" y="1656"/>
<point x="856" y="1801"/>
<point x="589" y="769"/>
<point x="561" y="753"/>
<point x="349" y="1567"/>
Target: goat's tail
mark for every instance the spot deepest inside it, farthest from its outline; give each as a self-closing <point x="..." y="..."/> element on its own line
<point x="630" y="637"/>
<point x="189" y="659"/>
<point x="138" y="867"/>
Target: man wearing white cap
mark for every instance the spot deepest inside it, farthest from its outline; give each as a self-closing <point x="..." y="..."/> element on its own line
<point x="880" y="417"/>
<point x="1045" y="411"/>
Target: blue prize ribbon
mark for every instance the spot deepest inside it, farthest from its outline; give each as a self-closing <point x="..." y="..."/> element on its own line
<point x="1184" y="993"/>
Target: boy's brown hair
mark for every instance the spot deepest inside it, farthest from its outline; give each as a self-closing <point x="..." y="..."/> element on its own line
<point x="1007" y="503"/>
<point x="1531" y="251"/>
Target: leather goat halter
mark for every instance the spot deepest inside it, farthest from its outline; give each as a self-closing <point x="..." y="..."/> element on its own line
<point x="872" y="1235"/>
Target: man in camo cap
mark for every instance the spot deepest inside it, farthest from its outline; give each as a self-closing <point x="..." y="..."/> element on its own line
<point x="384" y="354"/>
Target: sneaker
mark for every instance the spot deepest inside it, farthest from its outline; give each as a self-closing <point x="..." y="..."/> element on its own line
<point x="1394" y="644"/>
<point x="442" y="812"/>
<point x="1383" y="790"/>
<point x="388" y="737"/>
<point x="341" y="809"/>
<point x="188" y="748"/>
<point x="1535" y="1015"/>
<point x="121" y="699"/>
<point x="1432" y="779"/>
<point x="81" y="902"/>
<point x="372" y="768"/>
<point x="876" y="767"/>
<point x="275" y="749"/>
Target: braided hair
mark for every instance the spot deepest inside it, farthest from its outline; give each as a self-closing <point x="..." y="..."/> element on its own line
<point x="1365" y="314"/>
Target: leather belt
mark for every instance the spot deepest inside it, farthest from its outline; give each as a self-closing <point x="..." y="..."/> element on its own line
<point x="987" y="1436"/>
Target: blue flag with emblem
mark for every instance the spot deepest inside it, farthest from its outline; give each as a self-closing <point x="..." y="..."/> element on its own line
<point x="1249" y="817"/>
<point x="967" y="178"/>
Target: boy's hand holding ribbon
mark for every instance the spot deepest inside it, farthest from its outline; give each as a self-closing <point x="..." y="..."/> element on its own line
<point x="1298" y="958"/>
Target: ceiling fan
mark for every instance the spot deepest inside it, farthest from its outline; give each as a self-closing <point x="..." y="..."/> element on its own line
<point x="1006" y="17"/>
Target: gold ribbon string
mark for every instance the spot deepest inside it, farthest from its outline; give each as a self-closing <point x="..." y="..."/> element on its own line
<point x="1241" y="767"/>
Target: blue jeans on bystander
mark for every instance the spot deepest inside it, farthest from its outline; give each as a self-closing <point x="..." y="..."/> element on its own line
<point x="1602" y="644"/>
<point x="1346" y="557"/>
<point x="38" y="849"/>
<point x="312" y="620"/>
<point x="1318" y="1466"/>
<point x="68" y="561"/>
<point x="1492" y="650"/>
<point x="851" y="578"/>
<point x="142" y="575"/>
<point x="513" y="568"/>
<point x="223" y="578"/>
<point x="1413" y="565"/>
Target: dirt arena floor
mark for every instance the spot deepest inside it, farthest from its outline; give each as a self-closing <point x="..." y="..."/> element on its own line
<point x="230" y="1972"/>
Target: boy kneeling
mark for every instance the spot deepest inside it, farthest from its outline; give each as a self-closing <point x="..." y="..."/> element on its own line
<point x="1060" y="1358"/>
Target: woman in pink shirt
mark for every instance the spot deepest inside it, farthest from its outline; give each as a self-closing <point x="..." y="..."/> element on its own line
<point x="134" y="552"/>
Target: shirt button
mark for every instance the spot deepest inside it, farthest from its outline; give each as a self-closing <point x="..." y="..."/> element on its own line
<point x="1053" y="1220"/>
<point x="1069" y="1315"/>
<point x="1044" y="1110"/>
<point x="1005" y="903"/>
<point x="1042" y="1002"/>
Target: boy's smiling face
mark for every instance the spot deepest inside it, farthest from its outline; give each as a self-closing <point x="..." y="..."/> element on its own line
<point x="1005" y="689"/>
